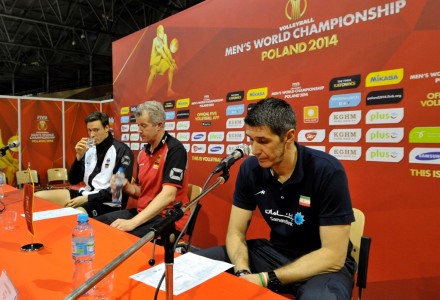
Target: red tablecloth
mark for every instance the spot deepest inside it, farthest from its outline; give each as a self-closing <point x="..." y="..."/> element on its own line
<point x="47" y="274"/>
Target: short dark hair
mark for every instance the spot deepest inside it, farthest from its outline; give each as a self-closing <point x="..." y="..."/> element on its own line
<point x="98" y="116"/>
<point x="274" y="113"/>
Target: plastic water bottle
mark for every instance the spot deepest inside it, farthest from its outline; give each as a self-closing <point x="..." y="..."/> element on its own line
<point x="2" y="182"/>
<point x="83" y="250"/>
<point x="117" y="192"/>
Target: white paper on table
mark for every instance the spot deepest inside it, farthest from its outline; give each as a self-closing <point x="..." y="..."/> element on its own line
<point x="7" y="288"/>
<point x="54" y="213"/>
<point x="189" y="271"/>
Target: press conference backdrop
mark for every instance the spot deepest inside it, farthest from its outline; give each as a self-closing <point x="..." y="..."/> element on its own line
<point x="363" y="77"/>
<point x="48" y="130"/>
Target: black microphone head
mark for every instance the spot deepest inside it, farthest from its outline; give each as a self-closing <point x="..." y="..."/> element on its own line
<point x="14" y="144"/>
<point x="245" y="149"/>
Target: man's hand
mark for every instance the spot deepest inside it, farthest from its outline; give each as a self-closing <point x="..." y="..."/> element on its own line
<point x="124" y="225"/>
<point x="81" y="148"/>
<point x="254" y="278"/>
<point x="76" y="202"/>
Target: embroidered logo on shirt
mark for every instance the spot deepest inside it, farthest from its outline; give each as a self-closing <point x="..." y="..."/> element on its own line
<point x="176" y="174"/>
<point x="156" y="163"/>
<point x="262" y="192"/>
<point x="299" y="218"/>
<point x="107" y="163"/>
<point x="304" y="201"/>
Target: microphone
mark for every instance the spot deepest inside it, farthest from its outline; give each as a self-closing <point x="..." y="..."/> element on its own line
<point x="11" y="145"/>
<point x="241" y="151"/>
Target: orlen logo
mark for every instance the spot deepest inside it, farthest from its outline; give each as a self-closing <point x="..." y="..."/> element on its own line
<point x="385" y="154"/>
<point x="295" y="9"/>
<point x="381" y="78"/>
<point x="198" y="136"/>
<point x="311" y="135"/>
<point x="198" y="148"/>
<point x="384" y="116"/>
<point x="181" y="103"/>
<point x="216" y="149"/>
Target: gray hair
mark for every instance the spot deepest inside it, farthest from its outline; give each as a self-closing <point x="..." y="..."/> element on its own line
<point x="154" y="110"/>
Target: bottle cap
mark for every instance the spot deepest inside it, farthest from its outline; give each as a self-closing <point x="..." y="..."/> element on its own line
<point x="83" y="217"/>
<point x="121" y="170"/>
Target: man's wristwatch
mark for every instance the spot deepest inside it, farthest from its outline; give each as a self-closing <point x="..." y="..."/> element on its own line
<point x="240" y="273"/>
<point x="273" y="283"/>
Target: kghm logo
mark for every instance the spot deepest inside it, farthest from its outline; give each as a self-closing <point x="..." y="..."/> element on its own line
<point x="295" y="9"/>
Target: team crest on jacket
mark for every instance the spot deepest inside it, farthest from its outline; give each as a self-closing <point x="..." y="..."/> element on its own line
<point x="156" y="163"/>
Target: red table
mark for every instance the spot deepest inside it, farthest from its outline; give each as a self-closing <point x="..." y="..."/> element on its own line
<point x="47" y="274"/>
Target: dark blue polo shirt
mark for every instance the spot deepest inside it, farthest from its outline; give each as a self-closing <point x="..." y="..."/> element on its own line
<point x="315" y="195"/>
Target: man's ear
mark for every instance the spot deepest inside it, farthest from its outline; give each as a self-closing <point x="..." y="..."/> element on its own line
<point x="290" y="136"/>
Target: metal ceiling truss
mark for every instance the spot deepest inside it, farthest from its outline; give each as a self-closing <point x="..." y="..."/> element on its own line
<point x="45" y="44"/>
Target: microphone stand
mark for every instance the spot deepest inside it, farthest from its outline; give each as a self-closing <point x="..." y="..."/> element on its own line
<point x="165" y="229"/>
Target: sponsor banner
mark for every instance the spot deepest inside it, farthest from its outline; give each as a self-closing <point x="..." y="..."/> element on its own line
<point x="168" y="104"/>
<point x="311" y="114"/>
<point x="183" y="125"/>
<point x="134" y="137"/>
<point x="345" y="100"/>
<point x="198" y="136"/>
<point x="352" y="135"/>
<point x="183" y="136"/>
<point x="235" y="136"/>
<point x="134" y="146"/>
<point x="430" y="156"/>
<point x="216" y="136"/>
<point x="198" y="148"/>
<point x="345" y="117"/>
<point x="170" y="115"/>
<point x="385" y="97"/>
<point x="384" y="135"/>
<point x="173" y="134"/>
<point x="257" y="94"/>
<point x="235" y="96"/>
<point x="311" y="135"/>
<point x="347" y="82"/>
<point x="125" y="119"/>
<point x="170" y="126"/>
<point x="125" y="137"/>
<point x="385" y="154"/>
<point x="235" y="110"/>
<point x="134" y="127"/>
<point x="384" y="116"/>
<point x="429" y="135"/>
<point x="234" y="123"/>
<point x="125" y="110"/>
<point x="182" y="103"/>
<point x="216" y="149"/>
<point x="182" y="114"/>
<point x="381" y="78"/>
<point x="125" y="128"/>
<point x="346" y="153"/>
